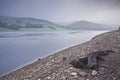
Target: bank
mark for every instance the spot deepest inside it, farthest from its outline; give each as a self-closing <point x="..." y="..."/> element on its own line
<point x="57" y="67"/>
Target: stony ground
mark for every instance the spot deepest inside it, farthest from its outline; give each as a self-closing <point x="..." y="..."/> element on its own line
<point x="57" y="67"/>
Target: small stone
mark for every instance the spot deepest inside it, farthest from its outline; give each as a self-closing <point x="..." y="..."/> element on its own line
<point x="26" y="79"/>
<point x="48" y="77"/>
<point x="39" y="79"/>
<point x="76" y="76"/>
<point x="71" y="68"/>
<point x="52" y="60"/>
<point x="87" y="79"/>
<point x="114" y="78"/>
<point x="104" y="65"/>
<point x="63" y="78"/>
<point x="102" y="70"/>
<point x="94" y="72"/>
<point x="83" y="74"/>
<point x="39" y="59"/>
<point x="64" y="58"/>
<point x="119" y="72"/>
<point x="73" y="73"/>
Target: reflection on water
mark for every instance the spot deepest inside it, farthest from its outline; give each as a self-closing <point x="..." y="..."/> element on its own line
<point x="22" y="34"/>
<point x="19" y="48"/>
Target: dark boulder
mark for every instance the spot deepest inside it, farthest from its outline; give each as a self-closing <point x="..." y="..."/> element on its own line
<point x="90" y="61"/>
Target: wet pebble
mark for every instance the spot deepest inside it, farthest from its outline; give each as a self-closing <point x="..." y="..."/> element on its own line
<point x="94" y="73"/>
<point x="83" y="74"/>
<point x="48" y="77"/>
<point x="39" y="79"/>
<point x="73" y="73"/>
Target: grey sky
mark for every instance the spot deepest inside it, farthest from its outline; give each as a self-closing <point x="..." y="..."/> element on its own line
<point x="101" y="11"/>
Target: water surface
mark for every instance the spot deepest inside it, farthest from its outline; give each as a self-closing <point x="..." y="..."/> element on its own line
<point x="19" y="48"/>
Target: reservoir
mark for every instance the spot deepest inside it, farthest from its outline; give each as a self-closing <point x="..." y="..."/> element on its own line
<point x="20" y="48"/>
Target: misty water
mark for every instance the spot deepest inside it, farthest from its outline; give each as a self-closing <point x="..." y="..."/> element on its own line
<point x="20" y="48"/>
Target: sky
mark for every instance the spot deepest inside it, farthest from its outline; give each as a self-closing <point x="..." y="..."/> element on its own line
<point x="64" y="11"/>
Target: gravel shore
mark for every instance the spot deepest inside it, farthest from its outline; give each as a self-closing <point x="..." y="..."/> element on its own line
<point x="57" y="67"/>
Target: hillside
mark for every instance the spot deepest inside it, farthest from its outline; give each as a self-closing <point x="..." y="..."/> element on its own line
<point x="87" y="25"/>
<point x="26" y="23"/>
<point x="57" y="67"/>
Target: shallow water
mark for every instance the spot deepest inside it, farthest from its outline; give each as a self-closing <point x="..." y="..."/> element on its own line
<point x="19" y="48"/>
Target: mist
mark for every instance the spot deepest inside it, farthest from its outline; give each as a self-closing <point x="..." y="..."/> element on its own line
<point x="64" y="11"/>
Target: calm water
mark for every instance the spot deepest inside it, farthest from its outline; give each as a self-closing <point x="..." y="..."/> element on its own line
<point x="19" y="48"/>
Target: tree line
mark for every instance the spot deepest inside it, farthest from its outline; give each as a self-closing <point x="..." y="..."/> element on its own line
<point x="17" y="26"/>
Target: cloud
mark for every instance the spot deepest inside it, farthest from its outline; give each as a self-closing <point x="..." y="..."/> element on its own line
<point x="103" y="11"/>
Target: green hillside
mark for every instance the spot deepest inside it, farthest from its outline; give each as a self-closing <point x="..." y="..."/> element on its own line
<point x="26" y="24"/>
<point x="87" y="25"/>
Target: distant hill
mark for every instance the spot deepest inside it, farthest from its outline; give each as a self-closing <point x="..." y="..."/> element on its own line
<point x="27" y="23"/>
<point x="87" y="25"/>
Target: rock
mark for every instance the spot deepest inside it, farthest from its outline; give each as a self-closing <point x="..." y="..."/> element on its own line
<point x="39" y="79"/>
<point x="71" y="68"/>
<point x="64" y="58"/>
<point x="39" y="59"/>
<point x="94" y="72"/>
<point x="63" y="78"/>
<point x="79" y="62"/>
<point x="95" y="57"/>
<point x="83" y="74"/>
<point x="89" y="61"/>
<point x="48" y="77"/>
<point x="52" y="60"/>
<point x="104" y="65"/>
<point x="101" y="70"/>
<point x="73" y="73"/>
<point x="119" y="72"/>
<point x="114" y="78"/>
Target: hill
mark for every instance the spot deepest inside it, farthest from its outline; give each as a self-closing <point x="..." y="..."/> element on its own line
<point x="27" y="23"/>
<point x="57" y="67"/>
<point x="87" y="25"/>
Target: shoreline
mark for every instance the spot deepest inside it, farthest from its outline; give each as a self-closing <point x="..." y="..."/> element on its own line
<point x="52" y="53"/>
<point x="39" y="70"/>
<point x="55" y="30"/>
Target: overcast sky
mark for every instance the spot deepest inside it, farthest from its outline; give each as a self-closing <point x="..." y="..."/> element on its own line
<point x="100" y="11"/>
